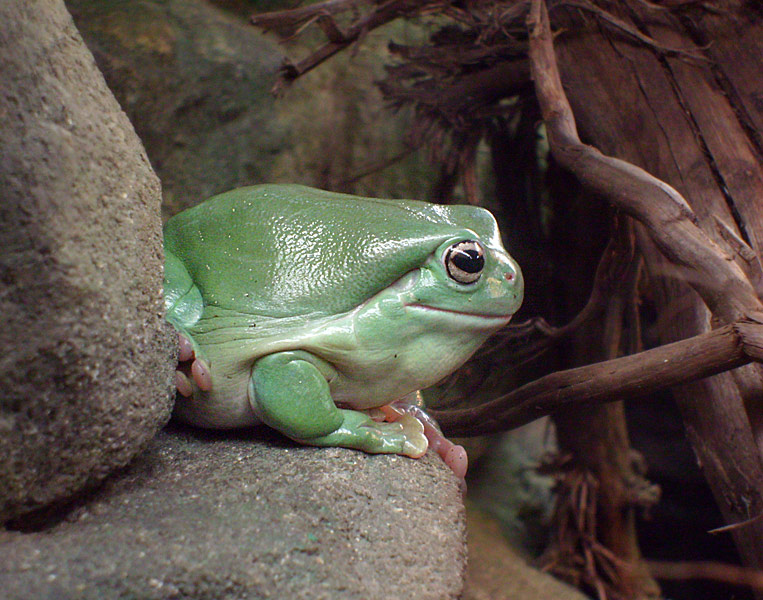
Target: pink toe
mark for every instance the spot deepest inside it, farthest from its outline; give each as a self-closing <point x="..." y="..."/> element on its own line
<point x="201" y="375"/>
<point x="435" y="438"/>
<point x="185" y="348"/>
<point x="457" y="460"/>
<point x="391" y="414"/>
<point x="452" y="455"/>
<point x="182" y="384"/>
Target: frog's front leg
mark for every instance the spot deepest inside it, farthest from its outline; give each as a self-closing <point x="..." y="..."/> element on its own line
<point x="290" y="392"/>
<point x="190" y="366"/>
<point x="184" y="306"/>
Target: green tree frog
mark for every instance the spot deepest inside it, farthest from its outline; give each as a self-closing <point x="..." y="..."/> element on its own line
<point x="322" y="314"/>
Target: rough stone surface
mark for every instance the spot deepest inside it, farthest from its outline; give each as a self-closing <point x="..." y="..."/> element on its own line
<point x="204" y="515"/>
<point x="85" y="359"/>
<point x="196" y="82"/>
<point x="498" y="572"/>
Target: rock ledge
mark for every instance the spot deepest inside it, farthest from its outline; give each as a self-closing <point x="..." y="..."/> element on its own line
<point x="204" y="515"/>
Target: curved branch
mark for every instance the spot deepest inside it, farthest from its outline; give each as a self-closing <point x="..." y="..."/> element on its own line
<point x="618" y="379"/>
<point x="673" y="226"/>
<point x="671" y="223"/>
<point x="711" y="571"/>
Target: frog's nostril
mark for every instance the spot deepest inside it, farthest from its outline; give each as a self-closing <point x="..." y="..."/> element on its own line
<point x="508" y="276"/>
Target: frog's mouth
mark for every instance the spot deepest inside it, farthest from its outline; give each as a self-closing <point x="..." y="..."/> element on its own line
<point x="488" y="319"/>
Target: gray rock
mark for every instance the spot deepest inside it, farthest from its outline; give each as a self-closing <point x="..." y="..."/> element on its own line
<point x="205" y="515"/>
<point x="196" y="83"/>
<point x="85" y="358"/>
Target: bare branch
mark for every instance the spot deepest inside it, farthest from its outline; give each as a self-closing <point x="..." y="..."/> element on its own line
<point x="618" y="379"/>
<point x="288" y="23"/>
<point x="738" y="525"/>
<point x="711" y="571"/>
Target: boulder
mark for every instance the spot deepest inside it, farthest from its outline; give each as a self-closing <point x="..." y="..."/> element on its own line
<point x="87" y="360"/>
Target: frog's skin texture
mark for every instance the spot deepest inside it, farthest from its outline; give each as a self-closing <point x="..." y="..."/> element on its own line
<point x="305" y="309"/>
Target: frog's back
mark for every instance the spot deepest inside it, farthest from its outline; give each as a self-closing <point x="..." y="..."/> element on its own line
<point x="286" y="250"/>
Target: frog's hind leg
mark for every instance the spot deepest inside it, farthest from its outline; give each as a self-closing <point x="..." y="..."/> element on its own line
<point x="290" y="392"/>
<point x="184" y="306"/>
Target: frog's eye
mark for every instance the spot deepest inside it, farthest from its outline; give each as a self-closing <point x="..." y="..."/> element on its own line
<point x="464" y="261"/>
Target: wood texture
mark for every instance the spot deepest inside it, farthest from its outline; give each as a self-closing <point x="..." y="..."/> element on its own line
<point x="618" y="379"/>
<point x="630" y="104"/>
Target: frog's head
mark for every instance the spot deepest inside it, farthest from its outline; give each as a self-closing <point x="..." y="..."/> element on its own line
<point x="463" y="287"/>
<point x="469" y="279"/>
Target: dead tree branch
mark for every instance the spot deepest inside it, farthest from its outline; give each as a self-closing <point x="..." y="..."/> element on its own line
<point x="673" y="226"/>
<point x="665" y="213"/>
<point x="288" y="23"/>
<point x="618" y="379"/>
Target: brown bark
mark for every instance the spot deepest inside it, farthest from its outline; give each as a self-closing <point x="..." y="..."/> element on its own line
<point x="597" y="438"/>
<point x="721" y="127"/>
<point x="629" y="104"/>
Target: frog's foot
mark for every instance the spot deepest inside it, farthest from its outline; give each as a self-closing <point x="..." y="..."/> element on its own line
<point x="452" y="454"/>
<point x="190" y="368"/>
<point x="359" y="431"/>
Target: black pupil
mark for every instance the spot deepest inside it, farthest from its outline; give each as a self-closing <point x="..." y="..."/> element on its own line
<point x="468" y="260"/>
